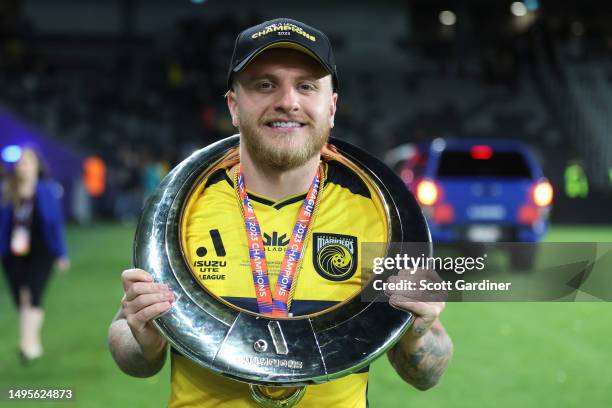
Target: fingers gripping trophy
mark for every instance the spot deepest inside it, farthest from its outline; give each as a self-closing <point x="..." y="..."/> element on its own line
<point x="256" y="240"/>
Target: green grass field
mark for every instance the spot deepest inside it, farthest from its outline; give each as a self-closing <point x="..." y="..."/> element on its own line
<point x="506" y="354"/>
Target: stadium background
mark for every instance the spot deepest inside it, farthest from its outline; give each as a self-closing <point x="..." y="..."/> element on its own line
<point x="137" y="85"/>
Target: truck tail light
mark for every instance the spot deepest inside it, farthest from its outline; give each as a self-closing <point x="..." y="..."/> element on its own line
<point x="427" y="192"/>
<point x="542" y="193"/>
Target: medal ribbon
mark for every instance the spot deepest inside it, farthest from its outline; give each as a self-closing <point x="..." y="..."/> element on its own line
<point x="276" y="304"/>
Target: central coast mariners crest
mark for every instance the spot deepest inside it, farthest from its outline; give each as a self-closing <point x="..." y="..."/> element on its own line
<point x="334" y="256"/>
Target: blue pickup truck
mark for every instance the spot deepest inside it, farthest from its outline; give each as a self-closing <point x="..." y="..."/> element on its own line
<point x="480" y="191"/>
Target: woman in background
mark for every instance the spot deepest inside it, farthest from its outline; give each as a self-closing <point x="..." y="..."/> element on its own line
<point x="31" y="240"/>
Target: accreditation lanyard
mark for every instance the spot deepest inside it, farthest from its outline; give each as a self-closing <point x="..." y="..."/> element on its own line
<point x="276" y="304"/>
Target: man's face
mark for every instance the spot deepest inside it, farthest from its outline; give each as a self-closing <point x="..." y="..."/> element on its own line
<point x="284" y="106"/>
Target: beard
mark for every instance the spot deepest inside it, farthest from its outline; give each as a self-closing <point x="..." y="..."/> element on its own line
<point x="282" y="152"/>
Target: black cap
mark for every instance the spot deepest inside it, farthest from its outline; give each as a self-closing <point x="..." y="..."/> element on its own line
<point x="282" y="33"/>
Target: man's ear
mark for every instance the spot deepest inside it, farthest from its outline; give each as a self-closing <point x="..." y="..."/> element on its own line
<point x="332" y="109"/>
<point x="232" y="105"/>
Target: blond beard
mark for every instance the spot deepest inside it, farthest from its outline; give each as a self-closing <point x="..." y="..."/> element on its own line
<point x="265" y="151"/>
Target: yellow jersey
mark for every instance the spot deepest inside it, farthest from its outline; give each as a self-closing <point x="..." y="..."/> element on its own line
<point x="215" y="244"/>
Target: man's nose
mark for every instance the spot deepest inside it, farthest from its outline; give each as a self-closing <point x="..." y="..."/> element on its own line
<point x="288" y="99"/>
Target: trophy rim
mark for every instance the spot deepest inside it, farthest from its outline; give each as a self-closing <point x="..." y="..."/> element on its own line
<point x="210" y="332"/>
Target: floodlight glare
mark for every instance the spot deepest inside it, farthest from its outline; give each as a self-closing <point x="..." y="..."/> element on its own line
<point x="11" y="153"/>
<point x="518" y="9"/>
<point x="447" y="18"/>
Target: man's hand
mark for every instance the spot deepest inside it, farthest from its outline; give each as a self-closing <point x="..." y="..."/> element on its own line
<point x="422" y="354"/>
<point x="425" y="305"/>
<point x="137" y="347"/>
<point x="145" y="300"/>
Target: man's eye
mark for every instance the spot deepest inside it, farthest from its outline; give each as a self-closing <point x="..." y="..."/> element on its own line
<point x="307" y="87"/>
<point x="265" y="85"/>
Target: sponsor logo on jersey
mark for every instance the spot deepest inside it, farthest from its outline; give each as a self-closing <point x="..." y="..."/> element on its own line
<point x="334" y="256"/>
<point x="275" y="242"/>
<point x="210" y="269"/>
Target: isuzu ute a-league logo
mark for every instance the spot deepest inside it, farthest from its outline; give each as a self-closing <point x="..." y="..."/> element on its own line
<point x="334" y="256"/>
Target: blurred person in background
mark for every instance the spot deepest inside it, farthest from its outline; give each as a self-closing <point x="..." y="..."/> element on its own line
<point x="129" y="197"/>
<point x="31" y="241"/>
<point x="153" y="171"/>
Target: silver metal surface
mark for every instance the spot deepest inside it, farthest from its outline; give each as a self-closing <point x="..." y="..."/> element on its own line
<point x="307" y="350"/>
<point x="280" y="344"/>
<point x="260" y="346"/>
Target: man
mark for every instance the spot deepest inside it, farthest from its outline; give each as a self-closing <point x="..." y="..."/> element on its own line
<point x="282" y="98"/>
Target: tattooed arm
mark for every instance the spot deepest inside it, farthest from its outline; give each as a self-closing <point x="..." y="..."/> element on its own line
<point x="421" y="357"/>
<point x="136" y="346"/>
<point x="423" y="353"/>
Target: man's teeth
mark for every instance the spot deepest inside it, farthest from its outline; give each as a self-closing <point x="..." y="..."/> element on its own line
<point x="285" y="124"/>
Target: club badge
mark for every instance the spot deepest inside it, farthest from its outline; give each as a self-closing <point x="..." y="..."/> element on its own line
<point x="334" y="256"/>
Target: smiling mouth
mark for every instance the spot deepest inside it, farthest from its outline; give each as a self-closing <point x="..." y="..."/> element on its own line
<point x="284" y="124"/>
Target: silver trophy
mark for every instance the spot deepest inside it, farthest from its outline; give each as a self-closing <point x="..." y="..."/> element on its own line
<point x="278" y="357"/>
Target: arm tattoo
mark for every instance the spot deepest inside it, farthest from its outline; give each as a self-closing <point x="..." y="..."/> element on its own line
<point x="424" y="366"/>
